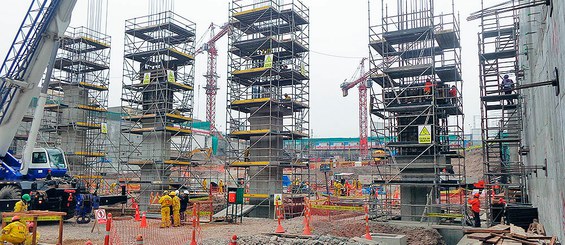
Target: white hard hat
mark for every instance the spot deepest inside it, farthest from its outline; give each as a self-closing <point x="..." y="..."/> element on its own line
<point x="185" y="192"/>
<point x="177" y="192"/>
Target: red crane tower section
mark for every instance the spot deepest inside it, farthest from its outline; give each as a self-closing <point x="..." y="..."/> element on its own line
<point x="363" y="118"/>
<point x="211" y="72"/>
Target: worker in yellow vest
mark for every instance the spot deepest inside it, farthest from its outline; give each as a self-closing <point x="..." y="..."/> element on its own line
<point x="205" y="184"/>
<point x="21" y="205"/>
<point x="14" y="232"/>
<point x="176" y="208"/>
<point x="166" y="201"/>
<point x="221" y="186"/>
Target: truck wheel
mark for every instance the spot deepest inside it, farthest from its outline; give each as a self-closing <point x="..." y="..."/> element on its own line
<point x="70" y="214"/>
<point x="10" y="192"/>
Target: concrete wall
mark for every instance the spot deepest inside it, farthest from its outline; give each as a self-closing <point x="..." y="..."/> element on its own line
<point x="542" y="46"/>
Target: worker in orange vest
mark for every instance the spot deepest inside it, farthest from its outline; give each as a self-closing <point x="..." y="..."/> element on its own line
<point x="428" y="86"/>
<point x="476" y="208"/>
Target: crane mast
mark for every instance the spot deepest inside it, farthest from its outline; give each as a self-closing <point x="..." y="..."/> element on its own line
<point x="361" y="82"/>
<point x="211" y="72"/>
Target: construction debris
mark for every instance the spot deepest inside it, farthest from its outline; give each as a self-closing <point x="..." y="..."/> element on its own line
<point x="274" y="239"/>
<point x="508" y="234"/>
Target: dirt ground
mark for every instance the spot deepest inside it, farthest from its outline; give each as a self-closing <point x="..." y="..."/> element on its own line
<point x="78" y="234"/>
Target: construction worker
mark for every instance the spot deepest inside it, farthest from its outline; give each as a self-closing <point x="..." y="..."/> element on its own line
<point x="221" y="186"/>
<point x="176" y="208"/>
<point x="348" y="188"/>
<point x="21" y="205"/>
<point x="14" y="232"/>
<point x="475" y="203"/>
<point x="184" y="199"/>
<point x="205" y="184"/>
<point x="166" y="202"/>
<point x="286" y="97"/>
<point x="507" y="86"/>
<point x="338" y="186"/>
<point x="428" y="87"/>
<point x="29" y="237"/>
<point x="453" y="94"/>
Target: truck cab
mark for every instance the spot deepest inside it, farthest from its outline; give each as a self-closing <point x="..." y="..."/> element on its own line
<point x="48" y="160"/>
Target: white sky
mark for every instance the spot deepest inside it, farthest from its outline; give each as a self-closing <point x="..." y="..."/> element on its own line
<point x="337" y="28"/>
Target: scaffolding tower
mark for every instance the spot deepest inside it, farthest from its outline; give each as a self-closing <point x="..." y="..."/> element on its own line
<point x="267" y="96"/>
<point x="501" y="116"/>
<point x="75" y="111"/>
<point x="157" y="101"/>
<point x="415" y="59"/>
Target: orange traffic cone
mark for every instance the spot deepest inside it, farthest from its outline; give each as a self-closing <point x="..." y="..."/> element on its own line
<point x="88" y="243"/>
<point x="193" y="240"/>
<point x="279" y="229"/>
<point x="144" y="220"/>
<point x="233" y="240"/>
<point x="137" y="218"/>
<point x="307" y="230"/>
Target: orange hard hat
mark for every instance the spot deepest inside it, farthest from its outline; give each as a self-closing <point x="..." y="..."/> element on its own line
<point x="477" y="195"/>
<point x="15" y="218"/>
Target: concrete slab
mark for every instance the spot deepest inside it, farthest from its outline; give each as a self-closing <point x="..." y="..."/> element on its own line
<point x="389" y="239"/>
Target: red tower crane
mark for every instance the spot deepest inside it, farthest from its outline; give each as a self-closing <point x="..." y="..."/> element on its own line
<point x="211" y="73"/>
<point x="363" y="118"/>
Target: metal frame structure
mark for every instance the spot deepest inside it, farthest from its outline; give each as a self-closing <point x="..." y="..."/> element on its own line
<point x="422" y="124"/>
<point x="75" y="112"/>
<point x="268" y="95"/>
<point x="157" y="100"/>
<point x="501" y="114"/>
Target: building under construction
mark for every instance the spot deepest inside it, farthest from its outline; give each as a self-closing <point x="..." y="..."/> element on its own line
<point x="415" y="59"/>
<point x="268" y="96"/>
<point x="157" y="100"/>
<point x="75" y="112"/>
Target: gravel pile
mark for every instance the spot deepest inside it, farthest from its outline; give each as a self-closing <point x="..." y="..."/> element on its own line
<point x="276" y="240"/>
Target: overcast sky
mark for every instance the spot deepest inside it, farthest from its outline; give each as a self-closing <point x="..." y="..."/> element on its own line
<point x="338" y="41"/>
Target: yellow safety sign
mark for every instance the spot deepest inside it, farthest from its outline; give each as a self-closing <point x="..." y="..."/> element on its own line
<point x="203" y="213"/>
<point x="278" y="199"/>
<point x="331" y="207"/>
<point x="104" y="128"/>
<point x="424" y="136"/>
<point x="146" y="77"/>
<point x="268" y="61"/>
<point x="171" y="76"/>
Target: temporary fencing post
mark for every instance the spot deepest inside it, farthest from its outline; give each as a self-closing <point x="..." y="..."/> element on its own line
<point x="144" y="220"/>
<point x="279" y="229"/>
<point x="194" y="215"/>
<point x="367" y="233"/>
<point x="108" y="227"/>
<point x="137" y="218"/>
<point x="139" y="239"/>
<point x="233" y="240"/>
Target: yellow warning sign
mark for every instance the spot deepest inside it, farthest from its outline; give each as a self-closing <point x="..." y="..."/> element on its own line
<point x="424" y="135"/>
<point x="104" y="128"/>
<point x="146" y="77"/>
<point x="268" y="61"/>
<point x="170" y="76"/>
<point x="278" y="199"/>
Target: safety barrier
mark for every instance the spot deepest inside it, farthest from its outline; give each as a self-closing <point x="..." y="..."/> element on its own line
<point x="328" y="209"/>
<point x="126" y="231"/>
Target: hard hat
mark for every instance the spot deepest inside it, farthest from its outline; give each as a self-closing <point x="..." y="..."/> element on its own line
<point x="185" y="192"/>
<point x="15" y="218"/>
<point x="165" y="192"/>
<point x="26" y="197"/>
<point x="477" y="195"/>
<point x="172" y="193"/>
<point x="505" y="76"/>
<point x="177" y="192"/>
